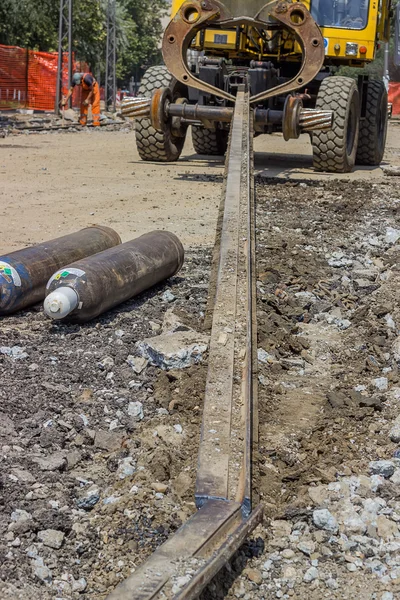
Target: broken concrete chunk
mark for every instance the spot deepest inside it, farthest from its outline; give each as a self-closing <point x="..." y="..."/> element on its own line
<point x="51" y="538"/>
<point x="137" y="363"/>
<point x="176" y="350"/>
<point x="323" y="519"/>
<point x="135" y="410"/>
<point x="385" y="468"/>
<point x="106" y="440"/>
<point x="89" y="498"/>
<point x="54" y="462"/>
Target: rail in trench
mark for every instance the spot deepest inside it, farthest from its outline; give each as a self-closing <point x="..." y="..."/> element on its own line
<point x="225" y="495"/>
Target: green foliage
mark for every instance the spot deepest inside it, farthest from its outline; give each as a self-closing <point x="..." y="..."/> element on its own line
<point x="34" y="24"/>
<point x="29" y="23"/>
<point x="142" y="34"/>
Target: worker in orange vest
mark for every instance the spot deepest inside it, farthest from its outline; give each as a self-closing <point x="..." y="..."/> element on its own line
<point x="90" y="96"/>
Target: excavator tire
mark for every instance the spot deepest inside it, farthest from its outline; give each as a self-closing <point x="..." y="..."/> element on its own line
<point x="335" y="150"/>
<point x="373" y="127"/>
<point x="152" y="144"/>
<point x="208" y="141"/>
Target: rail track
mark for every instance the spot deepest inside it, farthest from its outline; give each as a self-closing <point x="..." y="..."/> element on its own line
<point x="225" y="494"/>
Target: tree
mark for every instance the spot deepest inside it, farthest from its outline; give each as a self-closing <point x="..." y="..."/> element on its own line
<point x="139" y="35"/>
<point x="34" y="24"/>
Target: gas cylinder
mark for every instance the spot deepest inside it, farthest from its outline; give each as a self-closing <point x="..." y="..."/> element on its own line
<point x="89" y="287"/>
<point x="24" y="273"/>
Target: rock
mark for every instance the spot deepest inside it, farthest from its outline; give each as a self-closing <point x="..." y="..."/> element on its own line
<point x="353" y="524"/>
<point x="253" y="575"/>
<point x="311" y="574"/>
<point x="392" y="235"/>
<point x="307" y="547"/>
<point x="394" y="433"/>
<point x="79" y="585"/>
<point x="365" y="286"/>
<point x="89" y="498"/>
<point x="396" y="348"/>
<point x="265" y="358"/>
<point x="289" y="573"/>
<point x="385" y="468"/>
<point x="53" y="462"/>
<point x="386" y="528"/>
<point x="40" y="571"/>
<point x="395" y="478"/>
<point x="176" y="350"/>
<point x="377" y="481"/>
<point x="183" y="484"/>
<point x="7" y="426"/>
<point x="107" y="440"/>
<point x="126" y="467"/>
<point x="154" y="326"/>
<point x="292" y="363"/>
<point x="21" y="521"/>
<point x="331" y="584"/>
<point x="135" y="410"/>
<point x="168" y="296"/>
<point x="70" y="115"/>
<point x="172" y="323"/>
<point x="287" y="553"/>
<point x="63" y="588"/>
<point x="73" y="458"/>
<point x="106" y="363"/>
<point x="178" y="428"/>
<point x="159" y="487"/>
<point x="51" y="538"/>
<point x="381" y="383"/>
<point x="391" y="171"/>
<point x="390" y="322"/>
<point x="15" y="352"/>
<point x="23" y="476"/>
<point x="387" y="596"/>
<point x="336" y="399"/>
<point x="281" y="528"/>
<point x="138" y="363"/>
<point x="338" y="259"/>
<point x="351" y="567"/>
<point x="367" y="402"/>
<point x="323" y="519"/>
<point x="325" y="551"/>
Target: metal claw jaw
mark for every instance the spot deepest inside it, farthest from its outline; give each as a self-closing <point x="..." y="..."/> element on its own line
<point x="196" y="15"/>
<point x="192" y="17"/>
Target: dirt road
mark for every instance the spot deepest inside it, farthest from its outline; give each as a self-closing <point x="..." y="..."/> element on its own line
<point x="53" y="184"/>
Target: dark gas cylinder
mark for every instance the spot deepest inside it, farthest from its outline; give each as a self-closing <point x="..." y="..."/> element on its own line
<point x="24" y="273"/>
<point x="89" y="287"/>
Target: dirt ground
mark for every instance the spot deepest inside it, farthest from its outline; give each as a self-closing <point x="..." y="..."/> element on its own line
<point x="53" y="184"/>
<point x="98" y="451"/>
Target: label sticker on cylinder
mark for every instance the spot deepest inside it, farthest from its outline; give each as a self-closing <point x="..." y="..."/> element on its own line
<point x="64" y="274"/>
<point x="9" y="274"/>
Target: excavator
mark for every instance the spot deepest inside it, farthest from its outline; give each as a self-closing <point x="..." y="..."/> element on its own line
<point x="288" y="56"/>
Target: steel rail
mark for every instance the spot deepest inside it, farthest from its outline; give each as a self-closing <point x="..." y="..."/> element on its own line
<point x="224" y="486"/>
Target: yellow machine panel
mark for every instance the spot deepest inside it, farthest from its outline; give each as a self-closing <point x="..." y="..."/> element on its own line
<point x="350" y="36"/>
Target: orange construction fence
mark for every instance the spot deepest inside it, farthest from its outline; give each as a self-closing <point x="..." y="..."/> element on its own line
<point x="394" y="97"/>
<point x="28" y="79"/>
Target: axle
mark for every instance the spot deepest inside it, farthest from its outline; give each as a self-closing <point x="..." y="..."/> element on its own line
<point x="294" y="118"/>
